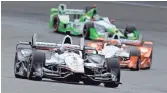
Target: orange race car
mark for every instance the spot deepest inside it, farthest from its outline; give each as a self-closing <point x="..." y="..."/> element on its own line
<point x="132" y="54"/>
<point x="146" y="51"/>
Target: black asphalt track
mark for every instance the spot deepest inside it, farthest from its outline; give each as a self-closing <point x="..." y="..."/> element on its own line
<point x="19" y="20"/>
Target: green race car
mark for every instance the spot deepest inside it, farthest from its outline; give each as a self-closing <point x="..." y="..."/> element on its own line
<point x="130" y="32"/>
<point x="86" y="23"/>
<point x="66" y="20"/>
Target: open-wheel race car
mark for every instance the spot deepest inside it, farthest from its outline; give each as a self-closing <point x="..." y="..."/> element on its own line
<point x="133" y="54"/>
<point x="86" y="22"/>
<point x="65" y="62"/>
<point x="144" y="51"/>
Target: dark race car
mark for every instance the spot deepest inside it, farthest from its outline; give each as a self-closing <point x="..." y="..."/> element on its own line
<point x="65" y="62"/>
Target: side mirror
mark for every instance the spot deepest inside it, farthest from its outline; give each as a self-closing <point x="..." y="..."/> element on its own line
<point x="54" y="10"/>
<point x="112" y="21"/>
<point x="24" y="43"/>
<point x="94" y="6"/>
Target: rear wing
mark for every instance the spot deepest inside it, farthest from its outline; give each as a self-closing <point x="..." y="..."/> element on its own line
<point x="35" y="43"/>
<point x="74" y="11"/>
<point x="47" y="46"/>
<point x="64" y="44"/>
<point x="127" y="41"/>
<point x="62" y="9"/>
<point x="38" y="45"/>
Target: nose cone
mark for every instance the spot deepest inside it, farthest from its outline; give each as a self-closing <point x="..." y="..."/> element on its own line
<point x="75" y="64"/>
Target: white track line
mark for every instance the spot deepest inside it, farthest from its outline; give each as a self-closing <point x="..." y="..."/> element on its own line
<point x="141" y="4"/>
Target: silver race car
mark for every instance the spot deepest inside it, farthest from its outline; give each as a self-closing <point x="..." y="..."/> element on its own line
<point x="65" y="62"/>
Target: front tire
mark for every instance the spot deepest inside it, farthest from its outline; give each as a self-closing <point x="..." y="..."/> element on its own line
<point x="35" y="65"/>
<point x="113" y="66"/>
<point x="86" y="30"/>
<point x="135" y="52"/>
<point x="55" y="24"/>
<point x="150" y="60"/>
<point x="23" y="76"/>
<point x="137" y="66"/>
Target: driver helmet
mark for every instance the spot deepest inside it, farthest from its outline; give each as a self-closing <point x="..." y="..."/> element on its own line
<point x="96" y="17"/>
<point x="123" y="47"/>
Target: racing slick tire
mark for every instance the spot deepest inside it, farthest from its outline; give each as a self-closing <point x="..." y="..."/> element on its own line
<point x="135" y="52"/>
<point x="113" y="66"/>
<point x="150" y="60"/>
<point x="23" y="76"/>
<point x="35" y="65"/>
<point x="55" y="24"/>
<point x="86" y="30"/>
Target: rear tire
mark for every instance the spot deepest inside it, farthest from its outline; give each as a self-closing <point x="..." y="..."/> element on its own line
<point x="86" y="30"/>
<point x="113" y="66"/>
<point x="35" y="65"/>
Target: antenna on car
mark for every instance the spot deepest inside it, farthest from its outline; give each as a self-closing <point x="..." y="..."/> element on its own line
<point x="82" y="43"/>
<point x="34" y="39"/>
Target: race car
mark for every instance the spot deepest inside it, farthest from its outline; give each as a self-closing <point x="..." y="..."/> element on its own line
<point x="66" y="20"/>
<point x="65" y="62"/>
<point x="145" y="49"/>
<point x="132" y="54"/>
<point x="81" y="22"/>
<point x="105" y="27"/>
